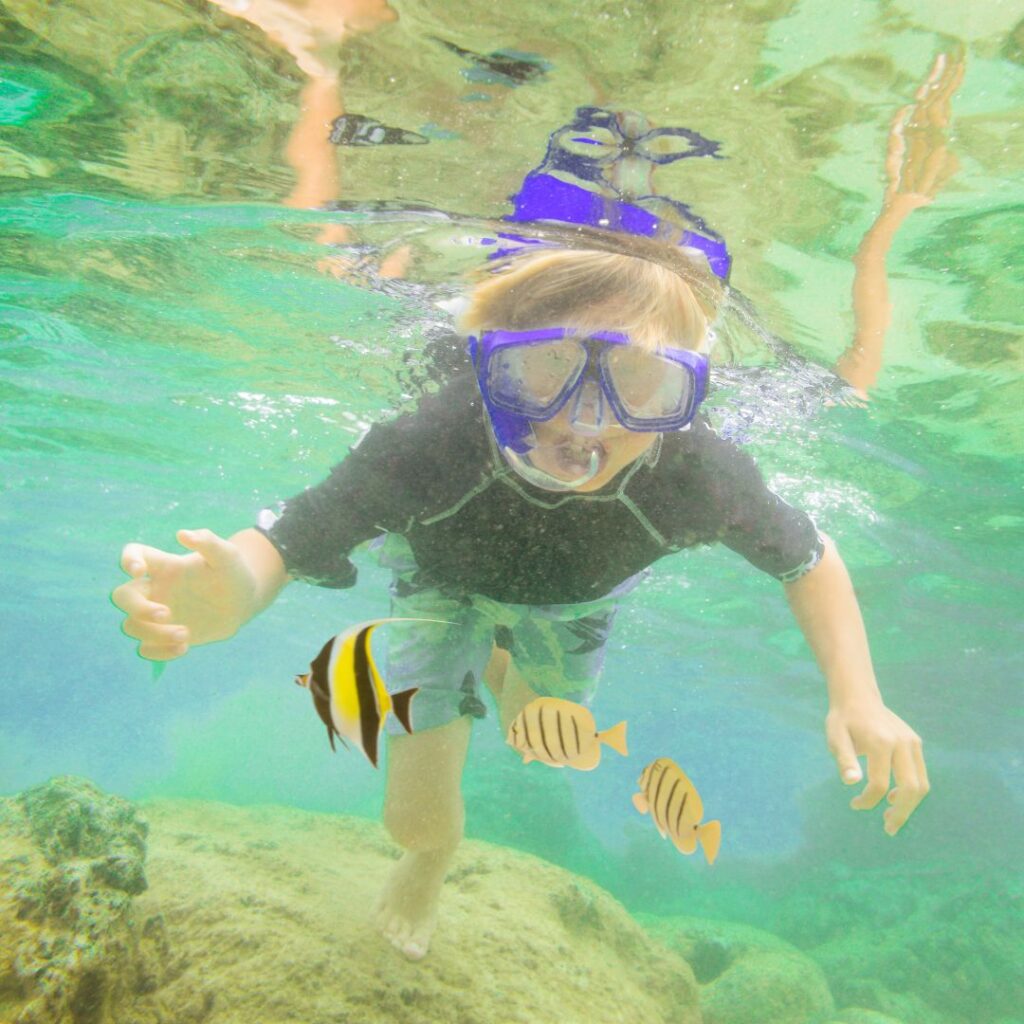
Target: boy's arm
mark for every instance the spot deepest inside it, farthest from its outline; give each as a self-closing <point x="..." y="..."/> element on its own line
<point x="858" y="722"/>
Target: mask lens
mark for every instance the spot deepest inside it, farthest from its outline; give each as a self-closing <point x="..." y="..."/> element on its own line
<point x="592" y="143"/>
<point x="647" y="385"/>
<point x="532" y="379"/>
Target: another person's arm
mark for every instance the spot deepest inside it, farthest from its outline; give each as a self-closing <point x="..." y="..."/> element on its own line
<point x="917" y="165"/>
<point x="858" y="722"/>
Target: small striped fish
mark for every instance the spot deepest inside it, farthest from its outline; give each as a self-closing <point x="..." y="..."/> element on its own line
<point x="676" y="808"/>
<point x="348" y="692"/>
<point x="561" y="733"/>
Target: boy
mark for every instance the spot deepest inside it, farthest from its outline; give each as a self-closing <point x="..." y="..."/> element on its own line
<point x="520" y="503"/>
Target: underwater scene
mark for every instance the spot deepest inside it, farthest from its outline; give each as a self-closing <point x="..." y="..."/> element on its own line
<point x="511" y="514"/>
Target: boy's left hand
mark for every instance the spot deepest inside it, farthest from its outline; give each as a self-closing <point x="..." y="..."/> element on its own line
<point x="892" y="749"/>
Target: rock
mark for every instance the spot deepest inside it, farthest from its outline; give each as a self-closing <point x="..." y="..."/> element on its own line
<point x="272" y="909"/>
<point x="746" y="974"/>
<point x="73" y="858"/>
<point x="72" y="820"/>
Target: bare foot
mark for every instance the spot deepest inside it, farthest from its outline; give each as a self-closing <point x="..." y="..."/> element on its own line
<point x="406" y="910"/>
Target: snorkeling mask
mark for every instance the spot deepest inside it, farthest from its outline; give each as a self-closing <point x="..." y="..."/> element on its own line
<point x="526" y="377"/>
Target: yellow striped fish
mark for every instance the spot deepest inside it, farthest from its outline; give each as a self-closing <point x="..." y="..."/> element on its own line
<point x="348" y="692"/>
<point x="676" y="808"/>
<point x="561" y="733"/>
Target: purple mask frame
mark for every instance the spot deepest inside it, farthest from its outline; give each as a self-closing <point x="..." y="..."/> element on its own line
<point x="512" y="429"/>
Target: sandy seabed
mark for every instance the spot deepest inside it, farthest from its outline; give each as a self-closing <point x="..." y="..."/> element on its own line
<point x="185" y="911"/>
<point x="268" y="912"/>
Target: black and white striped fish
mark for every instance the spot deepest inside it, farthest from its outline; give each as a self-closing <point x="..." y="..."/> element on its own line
<point x="562" y="734"/>
<point x="348" y="692"/>
<point x="676" y="808"/>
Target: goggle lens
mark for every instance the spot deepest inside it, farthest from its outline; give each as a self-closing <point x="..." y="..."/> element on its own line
<point x="534" y="378"/>
<point x="647" y="385"/>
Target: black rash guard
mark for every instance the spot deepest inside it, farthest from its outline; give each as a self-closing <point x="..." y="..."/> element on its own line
<point x="435" y="476"/>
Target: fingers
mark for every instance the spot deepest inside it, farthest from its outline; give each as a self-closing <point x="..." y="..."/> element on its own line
<point x="132" y="560"/>
<point x="146" y="620"/>
<point x="217" y="551"/>
<point x="879" y="768"/>
<point x="157" y="643"/>
<point x="140" y="560"/>
<point x="155" y="634"/>
<point x="911" y="785"/>
<point x="162" y="652"/>
<point x="133" y="599"/>
<point x="149" y="622"/>
<point x="892" y="748"/>
<point x="843" y="750"/>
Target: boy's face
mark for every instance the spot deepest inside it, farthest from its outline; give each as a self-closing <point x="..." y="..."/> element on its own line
<point x="566" y="453"/>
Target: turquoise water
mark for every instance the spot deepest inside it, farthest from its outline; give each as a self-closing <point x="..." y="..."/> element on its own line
<point x="174" y="353"/>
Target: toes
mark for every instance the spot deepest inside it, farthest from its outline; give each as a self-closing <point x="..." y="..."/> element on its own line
<point x="411" y="942"/>
<point x="415" y="950"/>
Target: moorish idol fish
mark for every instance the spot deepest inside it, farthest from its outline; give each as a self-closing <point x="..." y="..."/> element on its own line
<point x="348" y="692"/>
<point x="357" y="130"/>
<point x="561" y="733"/>
<point x="676" y="808"/>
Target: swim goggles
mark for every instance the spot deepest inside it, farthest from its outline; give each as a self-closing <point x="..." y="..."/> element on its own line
<point x="529" y="376"/>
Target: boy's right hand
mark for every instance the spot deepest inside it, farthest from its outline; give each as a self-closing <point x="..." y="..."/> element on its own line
<point x="174" y="601"/>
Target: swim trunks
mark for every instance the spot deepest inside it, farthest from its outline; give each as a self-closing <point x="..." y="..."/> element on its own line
<point x="558" y="649"/>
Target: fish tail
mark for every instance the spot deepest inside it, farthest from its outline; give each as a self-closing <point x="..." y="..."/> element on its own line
<point x="615" y="737"/>
<point x="710" y="836"/>
<point x="400" y="705"/>
<point x="640" y="802"/>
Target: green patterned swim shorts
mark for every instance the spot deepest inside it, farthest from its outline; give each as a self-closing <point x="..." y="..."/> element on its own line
<point x="558" y="649"/>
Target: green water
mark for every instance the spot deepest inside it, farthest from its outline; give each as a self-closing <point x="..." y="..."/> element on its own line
<point x="173" y="354"/>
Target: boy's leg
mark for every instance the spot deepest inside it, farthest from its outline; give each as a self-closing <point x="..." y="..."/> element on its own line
<point x="511" y="691"/>
<point x="423" y="807"/>
<point x="554" y="651"/>
<point x="424" y="813"/>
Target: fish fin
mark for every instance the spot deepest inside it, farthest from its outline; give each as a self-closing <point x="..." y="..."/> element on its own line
<point x="710" y="836"/>
<point x="158" y="669"/>
<point x="528" y="757"/>
<point x="408" y="138"/>
<point x="686" y="843"/>
<point x="586" y="763"/>
<point x="615" y="737"/>
<point x="370" y="748"/>
<point x="640" y="802"/>
<point x="330" y="736"/>
<point x="400" y="705"/>
<point x="302" y="680"/>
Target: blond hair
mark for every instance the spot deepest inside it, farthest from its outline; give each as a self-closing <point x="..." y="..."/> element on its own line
<point x="668" y="301"/>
